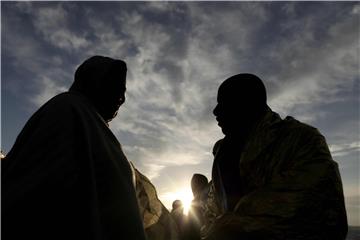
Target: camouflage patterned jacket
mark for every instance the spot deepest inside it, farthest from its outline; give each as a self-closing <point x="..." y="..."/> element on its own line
<point x="292" y="187"/>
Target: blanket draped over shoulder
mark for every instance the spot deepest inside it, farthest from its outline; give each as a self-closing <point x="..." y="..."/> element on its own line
<point x="291" y="187"/>
<point x="158" y="223"/>
<point x="66" y="177"/>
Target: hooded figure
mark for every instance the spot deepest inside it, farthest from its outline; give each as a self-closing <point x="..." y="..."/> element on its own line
<point x="66" y="176"/>
<point x="272" y="178"/>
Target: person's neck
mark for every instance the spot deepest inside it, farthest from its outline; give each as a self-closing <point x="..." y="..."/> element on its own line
<point x="243" y="133"/>
<point x="238" y="135"/>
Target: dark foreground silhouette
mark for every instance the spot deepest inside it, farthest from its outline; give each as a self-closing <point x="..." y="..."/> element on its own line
<point x="271" y="178"/>
<point x="66" y="176"/>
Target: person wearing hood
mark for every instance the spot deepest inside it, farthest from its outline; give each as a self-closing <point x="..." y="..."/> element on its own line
<point x="272" y="178"/>
<point x="66" y="177"/>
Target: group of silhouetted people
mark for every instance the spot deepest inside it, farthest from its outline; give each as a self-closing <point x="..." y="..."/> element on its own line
<point x="189" y="224"/>
<point x="66" y="176"/>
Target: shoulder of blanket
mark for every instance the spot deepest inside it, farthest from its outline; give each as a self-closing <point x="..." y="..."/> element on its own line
<point x="293" y="124"/>
<point x="67" y="102"/>
<point x="300" y="130"/>
<point x="67" y="99"/>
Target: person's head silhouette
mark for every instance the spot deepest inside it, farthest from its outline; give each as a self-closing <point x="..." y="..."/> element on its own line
<point x="177" y="204"/>
<point x="103" y="81"/>
<point x="198" y="184"/>
<point x="241" y="102"/>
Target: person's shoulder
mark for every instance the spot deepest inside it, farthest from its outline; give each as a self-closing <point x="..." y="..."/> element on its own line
<point x="63" y="108"/>
<point x="65" y="98"/>
<point x="67" y="102"/>
<point x="293" y="124"/>
<point x="296" y="129"/>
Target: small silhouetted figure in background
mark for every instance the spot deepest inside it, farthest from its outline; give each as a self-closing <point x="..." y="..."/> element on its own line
<point x="272" y="178"/>
<point x="200" y="189"/>
<point x="178" y="216"/>
<point x="195" y="219"/>
<point x="66" y="176"/>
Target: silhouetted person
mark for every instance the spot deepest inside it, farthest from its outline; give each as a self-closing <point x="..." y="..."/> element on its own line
<point x="177" y="206"/>
<point x="271" y="178"/>
<point x="200" y="188"/>
<point x="66" y="176"/>
<point x="177" y="213"/>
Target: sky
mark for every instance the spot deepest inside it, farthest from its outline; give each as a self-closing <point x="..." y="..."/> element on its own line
<point x="178" y="53"/>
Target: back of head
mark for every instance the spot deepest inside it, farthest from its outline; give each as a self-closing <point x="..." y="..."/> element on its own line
<point x="198" y="183"/>
<point x="244" y="88"/>
<point x="177" y="204"/>
<point x="103" y="81"/>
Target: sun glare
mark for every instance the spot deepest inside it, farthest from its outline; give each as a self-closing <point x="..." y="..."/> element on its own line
<point x="183" y="194"/>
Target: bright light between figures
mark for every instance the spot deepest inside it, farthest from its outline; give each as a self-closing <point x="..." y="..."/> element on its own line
<point x="184" y="194"/>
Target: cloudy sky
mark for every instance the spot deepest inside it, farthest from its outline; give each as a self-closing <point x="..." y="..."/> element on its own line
<point x="177" y="55"/>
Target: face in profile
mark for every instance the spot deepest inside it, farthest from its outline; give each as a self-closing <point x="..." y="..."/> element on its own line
<point x="112" y="97"/>
<point x="226" y="114"/>
<point x="103" y="81"/>
<point x="241" y="102"/>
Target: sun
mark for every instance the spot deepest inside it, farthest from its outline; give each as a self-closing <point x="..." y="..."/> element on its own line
<point x="186" y="196"/>
<point x="183" y="194"/>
